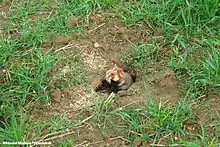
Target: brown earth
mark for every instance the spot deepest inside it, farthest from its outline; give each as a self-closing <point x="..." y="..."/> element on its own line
<point x="101" y="45"/>
<point x="3" y="13"/>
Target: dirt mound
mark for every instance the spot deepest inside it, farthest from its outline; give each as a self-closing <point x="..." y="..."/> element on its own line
<point x="167" y="87"/>
<point x="101" y="46"/>
<point x="208" y="111"/>
<point x="56" y="95"/>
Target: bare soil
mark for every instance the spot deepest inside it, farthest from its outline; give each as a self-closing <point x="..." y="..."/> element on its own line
<point x="101" y="45"/>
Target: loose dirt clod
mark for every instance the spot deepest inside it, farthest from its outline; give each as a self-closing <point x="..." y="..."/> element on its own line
<point x="168" y="86"/>
<point x="122" y="30"/>
<point x="62" y="39"/>
<point x="125" y="37"/>
<point x="145" y="144"/>
<point x="96" y="45"/>
<point x="56" y="95"/>
<point x="113" y="30"/>
<point x="97" y="18"/>
<point x="137" y="142"/>
<point x="168" y="79"/>
<point x="73" y="21"/>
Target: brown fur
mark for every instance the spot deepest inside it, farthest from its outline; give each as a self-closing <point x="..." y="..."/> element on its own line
<point x="115" y="74"/>
<point x="116" y="80"/>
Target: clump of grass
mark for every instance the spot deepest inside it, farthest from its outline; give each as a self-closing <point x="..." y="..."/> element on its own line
<point x="101" y="110"/>
<point x="29" y="74"/>
<point x="173" y="15"/>
<point x="84" y="7"/>
<point x="201" y="139"/>
<point x="74" y="73"/>
<point x="81" y="9"/>
<point x="27" y="15"/>
<point x="14" y="131"/>
<point x="28" y="77"/>
<point x="67" y="142"/>
<point x="170" y="118"/>
<point x="135" y="121"/>
<point x="202" y="73"/>
<point x="28" y="67"/>
<point x="150" y="121"/>
<point x="178" y="61"/>
<point x="141" y="54"/>
<point x="30" y="36"/>
<point x="55" y="123"/>
<point x="156" y="120"/>
<point x="210" y="71"/>
<point x="7" y="47"/>
<point x="201" y="69"/>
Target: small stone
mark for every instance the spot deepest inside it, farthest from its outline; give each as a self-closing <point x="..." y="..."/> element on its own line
<point x="96" y="45"/>
<point x="137" y="142"/>
<point x="175" y="138"/>
<point x="65" y="70"/>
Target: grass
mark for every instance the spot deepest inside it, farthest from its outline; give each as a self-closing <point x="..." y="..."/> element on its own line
<point x="74" y="68"/>
<point x="201" y="140"/>
<point x="53" y="124"/>
<point x="67" y="142"/>
<point x="210" y="72"/>
<point x="189" y="28"/>
<point x="150" y="121"/>
<point x="7" y="47"/>
<point x="15" y="130"/>
<point x="174" y="16"/>
<point x="203" y="72"/>
<point x="159" y="119"/>
<point x="141" y="55"/>
<point x="28" y="76"/>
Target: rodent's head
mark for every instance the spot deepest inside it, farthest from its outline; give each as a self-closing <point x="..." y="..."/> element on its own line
<point x="115" y="74"/>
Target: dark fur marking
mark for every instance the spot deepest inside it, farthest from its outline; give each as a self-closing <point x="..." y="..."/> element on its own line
<point x="109" y="88"/>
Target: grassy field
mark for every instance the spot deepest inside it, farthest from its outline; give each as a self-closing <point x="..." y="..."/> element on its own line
<point x="52" y="54"/>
